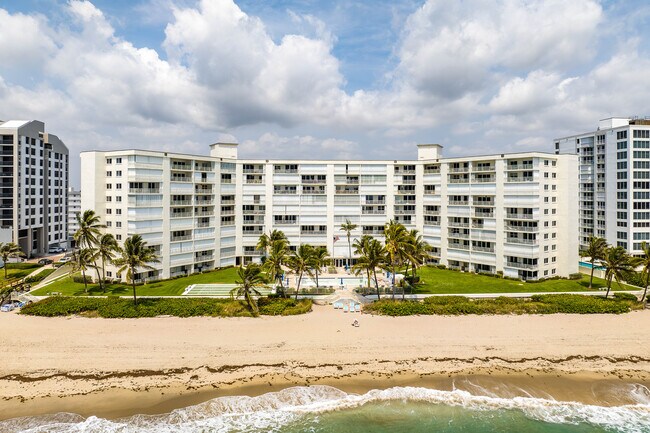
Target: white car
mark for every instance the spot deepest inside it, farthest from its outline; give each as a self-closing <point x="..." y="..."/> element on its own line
<point x="65" y="259"/>
<point x="7" y="307"/>
<point x="55" y="250"/>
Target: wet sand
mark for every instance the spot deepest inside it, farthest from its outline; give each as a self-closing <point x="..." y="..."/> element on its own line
<point x="117" y="367"/>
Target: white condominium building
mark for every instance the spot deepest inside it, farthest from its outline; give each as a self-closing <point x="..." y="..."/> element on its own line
<point x="514" y="213"/>
<point x="614" y="181"/>
<point x="33" y="186"/>
<point x="74" y="207"/>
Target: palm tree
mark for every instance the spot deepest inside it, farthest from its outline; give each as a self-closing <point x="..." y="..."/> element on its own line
<point x="348" y="227"/>
<point x="371" y="256"/>
<point x="644" y="262"/>
<point x="250" y="279"/>
<point x="9" y="250"/>
<point x="106" y="248"/>
<point x="617" y="262"/>
<point x="89" y="229"/>
<point x="277" y="258"/>
<point x="596" y="252"/>
<point x="396" y="241"/>
<point x="360" y="249"/>
<point x="82" y="260"/>
<point x="133" y="256"/>
<point x="300" y="263"/>
<point x="320" y="257"/>
<point x="265" y="242"/>
<point x="418" y="250"/>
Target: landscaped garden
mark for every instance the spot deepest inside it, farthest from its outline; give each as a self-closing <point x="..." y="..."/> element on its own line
<point x="538" y="304"/>
<point x="19" y="270"/>
<point x="112" y="307"/>
<point x="174" y="287"/>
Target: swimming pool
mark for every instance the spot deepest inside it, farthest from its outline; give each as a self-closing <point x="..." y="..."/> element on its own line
<point x="588" y="265"/>
<point x="331" y="281"/>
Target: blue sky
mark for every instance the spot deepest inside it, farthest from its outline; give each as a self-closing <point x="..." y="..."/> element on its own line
<point x="316" y="79"/>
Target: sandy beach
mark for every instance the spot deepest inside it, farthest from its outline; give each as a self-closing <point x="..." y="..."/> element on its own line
<point x="116" y="367"/>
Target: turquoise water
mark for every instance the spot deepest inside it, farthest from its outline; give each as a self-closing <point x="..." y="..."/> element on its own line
<point x="327" y="409"/>
<point x="588" y="265"/>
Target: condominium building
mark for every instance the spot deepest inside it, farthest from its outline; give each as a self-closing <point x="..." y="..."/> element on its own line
<point x="74" y="207"/>
<point x="512" y="213"/>
<point x="33" y="186"/>
<point x="614" y="181"/>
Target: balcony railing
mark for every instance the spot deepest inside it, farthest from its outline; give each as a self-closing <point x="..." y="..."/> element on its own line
<point x="181" y="215"/>
<point x="373" y="212"/>
<point x="483" y="249"/>
<point x="519" y="167"/>
<point x="404" y="212"/>
<point x="520" y="179"/>
<point x="373" y="232"/>
<point x="522" y="228"/>
<point x="181" y="202"/>
<point x="484" y="168"/>
<point x="458" y="224"/>
<point x="144" y="190"/>
<point x="463" y="180"/>
<point x="204" y="213"/>
<point x="522" y="241"/>
<point x="254" y="171"/>
<point x="458" y="203"/>
<point x="520" y="216"/>
<point x="313" y="232"/>
<point x="458" y="246"/>
<point x="432" y="212"/>
<point x="521" y="265"/>
<point x="181" y="238"/>
<point x="404" y="201"/>
<point x="483" y="203"/>
<point x="459" y="235"/>
<point x="458" y="169"/>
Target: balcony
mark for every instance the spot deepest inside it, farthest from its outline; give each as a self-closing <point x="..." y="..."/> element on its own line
<point x="227" y="223"/>
<point x="404" y="201"/>
<point x="432" y="170"/>
<point x="180" y="215"/>
<point x="483" y="249"/>
<point x="458" y="246"/>
<point x="373" y="232"/>
<point x="313" y="232"/>
<point x="519" y="216"/>
<point x="521" y="179"/>
<point x="144" y="190"/>
<point x="227" y="212"/>
<point x="529" y="229"/>
<point x="206" y="213"/>
<point x="484" y="168"/>
<point x="511" y="167"/>
<point x="181" y="179"/>
<point x="207" y="202"/>
<point x="373" y="211"/>
<point x="203" y="167"/>
<point x="404" y="212"/>
<point x="521" y="241"/>
<point x="489" y="179"/>
<point x="181" y="203"/>
<point x="458" y="169"/>
<point x="520" y="265"/>
<point x="200" y="225"/>
<point x="459" y="180"/>
<point x="458" y="235"/>
<point x="432" y="212"/>
<point x="458" y="224"/>
<point x="489" y="203"/>
<point x="182" y="166"/>
<point x="226" y="201"/>
<point x="458" y="203"/>
<point x="254" y="171"/>
<point x="347" y="190"/>
<point x="181" y="238"/>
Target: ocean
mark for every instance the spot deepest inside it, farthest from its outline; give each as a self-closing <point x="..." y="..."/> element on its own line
<point x="400" y="409"/>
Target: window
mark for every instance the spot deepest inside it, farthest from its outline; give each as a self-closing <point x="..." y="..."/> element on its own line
<point x="118" y="237"/>
<point x="621" y="145"/>
<point x="621" y="135"/>
<point x="118" y="224"/>
<point x="641" y="133"/>
<point x="118" y="198"/>
<point x="109" y="161"/>
<point x="109" y="173"/>
<point x="118" y="160"/>
<point x="118" y="211"/>
<point x="118" y="186"/>
<point x="118" y="173"/>
<point x="108" y="198"/>
<point x="621" y="155"/>
<point x="109" y="186"/>
<point x="621" y="165"/>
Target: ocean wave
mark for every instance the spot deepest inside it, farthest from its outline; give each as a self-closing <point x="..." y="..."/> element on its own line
<point x="272" y="411"/>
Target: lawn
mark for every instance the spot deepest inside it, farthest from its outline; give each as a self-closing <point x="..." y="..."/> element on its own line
<point x="174" y="287"/>
<point x="442" y="281"/>
<point x="19" y="270"/>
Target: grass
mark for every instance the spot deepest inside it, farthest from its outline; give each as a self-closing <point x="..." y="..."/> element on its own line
<point x="40" y="276"/>
<point x="538" y="304"/>
<point x="112" y="307"/>
<point x="444" y="281"/>
<point x="19" y="270"/>
<point x="174" y="287"/>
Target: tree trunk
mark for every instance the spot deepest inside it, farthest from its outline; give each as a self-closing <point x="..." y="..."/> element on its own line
<point x="135" y="300"/>
<point x="298" y="286"/>
<point x="374" y="271"/>
<point x="316" y="279"/>
<point x="349" y="252"/>
<point x="99" y="277"/>
<point x="393" y="278"/>
<point x="645" y="291"/>
<point x="591" y="278"/>
<point x="104" y="271"/>
<point x="83" y="274"/>
<point x="6" y="264"/>
<point x="609" y="284"/>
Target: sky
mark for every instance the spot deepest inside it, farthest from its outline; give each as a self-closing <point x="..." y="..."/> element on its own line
<point x="337" y="79"/>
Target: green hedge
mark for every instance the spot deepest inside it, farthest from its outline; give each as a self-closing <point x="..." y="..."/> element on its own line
<point x="39" y="277"/>
<point x="113" y="307"/>
<point x="538" y="304"/>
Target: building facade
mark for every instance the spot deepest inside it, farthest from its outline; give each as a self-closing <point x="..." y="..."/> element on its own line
<point x="513" y="213"/>
<point x="614" y="181"/>
<point x="33" y="186"/>
<point x="74" y="207"/>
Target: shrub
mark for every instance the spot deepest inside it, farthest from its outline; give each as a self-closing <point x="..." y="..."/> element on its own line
<point x="80" y="279"/>
<point x="634" y="278"/>
<point x="114" y="307"/>
<point x="441" y="267"/>
<point x="576" y="276"/>
<point x="625" y="297"/>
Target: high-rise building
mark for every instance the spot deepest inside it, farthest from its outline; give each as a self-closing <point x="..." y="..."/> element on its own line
<point x="33" y="186"/>
<point x="74" y="207"/>
<point x="510" y="213"/>
<point x="614" y="181"/>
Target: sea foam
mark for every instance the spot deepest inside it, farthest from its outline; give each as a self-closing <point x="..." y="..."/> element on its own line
<point x="272" y="411"/>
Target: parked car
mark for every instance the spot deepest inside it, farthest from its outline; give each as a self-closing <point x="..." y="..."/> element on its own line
<point x="7" y="307"/>
<point x="65" y="259"/>
<point x="45" y="261"/>
<point x="55" y="250"/>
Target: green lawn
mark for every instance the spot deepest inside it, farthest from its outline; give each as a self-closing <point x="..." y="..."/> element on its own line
<point x="174" y="287"/>
<point x="442" y="281"/>
<point x="19" y="270"/>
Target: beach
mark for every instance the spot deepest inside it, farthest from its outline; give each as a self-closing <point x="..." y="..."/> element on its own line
<point x="119" y="367"/>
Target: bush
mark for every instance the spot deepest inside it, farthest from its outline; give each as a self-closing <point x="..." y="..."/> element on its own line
<point x="441" y="267"/>
<point x="625" y="297"/>
<point x="538" y="304"/>
<point x="80" y="279"/>
<point x="39" y="277"/>
<point x="576" y="276"/>
<point x="113" y="307"/>
<point x="635" y="278"/>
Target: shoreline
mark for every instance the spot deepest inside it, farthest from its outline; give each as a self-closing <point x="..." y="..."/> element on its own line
<point x="117" y="367"/>
<point x="114" y="402"/>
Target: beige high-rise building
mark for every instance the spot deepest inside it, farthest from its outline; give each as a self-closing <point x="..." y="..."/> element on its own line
<point x="510" y="213"/>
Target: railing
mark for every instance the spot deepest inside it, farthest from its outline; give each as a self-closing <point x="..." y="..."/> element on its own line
<point x="253" y="171"/>
<point x="225" y="201"/>
<point x="459" y="235"/>
<point x="203" y="258"/>
<point x="185" y="167"/>
<point x="346" y="191"/>
<point x="202" y="167"/>
<point x="181" y="238"/>
<point x="432" y="171"/>
<point x="254" y="181"/>
<point x="520" y="216"/>
<point x="313" y="232"/>
<point x="519" y="167"/>
<point x="404" y="201"/>
<point x="254" y="253"/>
<point x="458" y="224"/>
<point x="227" y="223"/>
<point x="207" y="202"/>
<point x="314" y="192"/>
<point x="373" y="232"/>
<point x="181" y="202"/>
<point x="254" y="212"/>
<point x="458" y="169"/>
<point x="458" y="203"/>
<point x="490" y="168"/>
<point x="483" y="249"/>
<point x="145" y="204"/>
<point x="205" y="213"/>
<point x="286" y="222"/>
<point x="478" y="226"/>
<point x="522" y="228"/>
<point x="408" y="181"/>
<point x="375" y="202"/>
<point x="432" y="223"/>
<point x="227" y="212"/>
<point x="373" y="212"/>
<point x="404" y="171"/>
<point x="464" y="180"/>
<point x="285" y="192"/>
<point x="181" y="215"/>
<point x="483" y="203"/>
<point x="519" y="179"/>
<point x="485" y="179"/>
<point x="458" y="246"/>
<point x="404" y="212"/>
<point x="521" y="265"/>
<point x="314" y="181"/>
<point x="181" y="179"/>
<point x="286" y="171"/>
<point x="252" y="232"/>
<point x="432" y="212"/>
<point x="144" y="190"/>
<point x="254" y="222"/>
<point x="521" y="241"/>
